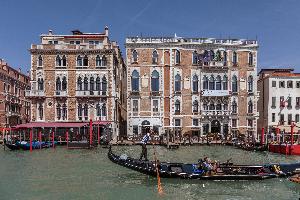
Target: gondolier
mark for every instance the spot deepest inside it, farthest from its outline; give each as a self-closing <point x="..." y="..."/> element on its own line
<point x="144" y="141"/>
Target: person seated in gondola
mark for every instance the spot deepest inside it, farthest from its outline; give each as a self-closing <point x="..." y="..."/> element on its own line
<point x="207" y="165"/>
<point x="144" y="141"/>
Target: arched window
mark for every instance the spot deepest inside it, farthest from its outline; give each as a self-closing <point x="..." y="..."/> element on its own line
<point x="177" y="106"/>
<point x="86" y="110"/>
<point x="40" y="84"/>
<point x="218" y="83"/>
<point x="225" y="82"/>
<point x="177" y="83"/>
<point x="224" y="56"/>
<point x="104" y="109"/>
<point x="212" y="55"/>
<point x="195" y="58"/>
<point x="58" y="61"/>
<point x="79" y="61"/>
<point x="41" y="111"/>
<point x="250" y="107"/>
<point x="104" y="85"/>
<point x="250" y="58"/>
<point x="40" y="61"/>
<point x="218" y="55"/>
<point x="211" y="82"/>
<point x="134" y="56"/>
<point x="58" y="111"/>
<point x="98" y="82"/>
<point x="104" y="61"/>
<point x="64" y="112"/>
<point x="211" y="106"/>
<point x="195" y="106"/>
<point x="219" y="106"/>
<point x="64" y="84"/>
<point x="98" y="109"/>
<point x="154" y="57"/>
<point x="234" y="84"/>
<point x="58" y="84"/>
<point x="250" y="84"/>
<point x="234" y="107"/>
<point x="85" y="84"/>
<point x="155" y="81"/>
<point x="225" y="106"/>
<point x="135" y="80"/>
<point x="92" y="84"/>
<point x="79" y="111"/>
<point x="177" y="57"/>
<point x="98" y="61"/>
<point x="205" y="83"/>
<point x="195" y="83"/>
<point x="64" y="61"/>
<point x="234" y="58"/>
<point x="85" y="61"/>
<point x="205" y="106"/>
<point x="79" y="83"/>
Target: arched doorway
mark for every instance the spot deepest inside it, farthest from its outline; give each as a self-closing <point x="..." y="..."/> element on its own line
<point x="215" y="126"/>
<point x="145" y="127"/>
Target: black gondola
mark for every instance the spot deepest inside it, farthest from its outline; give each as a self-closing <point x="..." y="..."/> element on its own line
<point x="12" y="146"/>
<point x="225" y="171"/>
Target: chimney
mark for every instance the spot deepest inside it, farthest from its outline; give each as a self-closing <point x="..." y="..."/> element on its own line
<point x="50" y="32"/>
<point x="106" y="30"/>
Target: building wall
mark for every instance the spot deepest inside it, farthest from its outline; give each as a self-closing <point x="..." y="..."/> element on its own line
<point x="14" y="107"/>
<point x="168" y="69"/>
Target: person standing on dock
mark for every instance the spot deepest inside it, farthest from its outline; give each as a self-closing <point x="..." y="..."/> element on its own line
<point x="145" y="140"/>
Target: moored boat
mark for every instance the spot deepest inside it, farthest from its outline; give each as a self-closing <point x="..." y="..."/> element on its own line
<point x="225" y="171"/>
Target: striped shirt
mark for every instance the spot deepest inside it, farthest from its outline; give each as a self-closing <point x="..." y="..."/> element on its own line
<point x="145" y="139"/>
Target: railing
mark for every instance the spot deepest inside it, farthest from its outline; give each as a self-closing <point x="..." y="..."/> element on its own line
<point x="215" y="93"/>
<point x="215" y="112"/>
<point x="215" y="64"/>
<point x="68" y="46"/>
<point x="34" y="93"/>
<point x="90" y="93"/>
<point x="61" y="93"/>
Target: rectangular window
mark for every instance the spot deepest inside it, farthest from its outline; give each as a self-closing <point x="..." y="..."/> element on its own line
<point x="250" y="122"/>
<point x="273" y="83"/>
<point x="177" y="122"/>
<point x="273" y="117"/>
<point x="135" y="130"/>
<point x="155" y="105"/>
<point x="297" y="101"/>
<point x="289" y="84"/>
<point x="195" y="122"/>
<point x="273" y="102"/>
<point x="234" y="123"/>
<point x="289" y="119"/>
<point x="71" y="42"/>
<point x="77" y="42"/>
<point x="281" y="84"/>
<point x="289" y="102"/>
<point x="282" y="118"/>
<point x="282" y="102"/>
<point x="297" y="84"/>
<point x="297" y="118"/>
<point x="55" y="42"/>
<point x="135" y="105"/>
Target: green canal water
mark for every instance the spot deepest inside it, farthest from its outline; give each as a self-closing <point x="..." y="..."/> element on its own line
<point x="88" y="174"/>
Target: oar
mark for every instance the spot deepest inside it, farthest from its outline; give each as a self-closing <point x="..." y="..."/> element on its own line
<point x="159" y="187"/>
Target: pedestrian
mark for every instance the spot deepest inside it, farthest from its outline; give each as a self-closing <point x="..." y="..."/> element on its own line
<point x="144" y="141"/>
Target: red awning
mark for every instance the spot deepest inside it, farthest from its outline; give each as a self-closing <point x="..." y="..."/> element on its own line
<point x="52" y="125"/>
<point x="101" y="122"/>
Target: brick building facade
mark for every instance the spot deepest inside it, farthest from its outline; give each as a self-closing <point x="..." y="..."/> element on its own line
<point x="191" y="85"/>
<point x="77" y="78"/>
<point x="14" y="108"/>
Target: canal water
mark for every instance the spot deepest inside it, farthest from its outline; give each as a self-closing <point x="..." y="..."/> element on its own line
<point x="88" y="174"/>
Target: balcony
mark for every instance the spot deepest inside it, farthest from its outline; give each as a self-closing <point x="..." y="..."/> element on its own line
<point x="90" y="93"/>
<point x="60" y="93"/>
<point x="216" y="112"/>
<point x="216" y="93"/>
<point x="35" y="93"/>
<point x="135" y="93"/>
<point x="155" y="93"/>
<point x="215" y="64"/>
<point x="13" y="114"/>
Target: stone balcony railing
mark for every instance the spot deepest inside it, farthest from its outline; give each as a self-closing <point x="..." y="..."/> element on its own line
<point x="215" y="112"/>
<point x="215" y="93"/>
<point x="34" y="93"/>
<point x="61" y="93"/>
<point x="85" y="93"/>
<point x="67" y="46"/>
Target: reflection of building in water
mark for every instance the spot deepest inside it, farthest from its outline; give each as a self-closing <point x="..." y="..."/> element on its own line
<point x="191" y="85"/>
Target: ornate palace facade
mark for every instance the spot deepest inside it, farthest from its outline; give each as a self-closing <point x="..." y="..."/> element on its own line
<point x="77" y="78"/>
<point x="192" y="85"/>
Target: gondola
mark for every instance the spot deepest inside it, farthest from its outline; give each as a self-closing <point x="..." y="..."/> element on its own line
<point x="12" y="146"/>
<point x="26" y="145"/>
<point x="225" y="171"/>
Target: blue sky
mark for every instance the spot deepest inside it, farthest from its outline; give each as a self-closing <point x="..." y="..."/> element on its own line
<point x="276" y="24"/>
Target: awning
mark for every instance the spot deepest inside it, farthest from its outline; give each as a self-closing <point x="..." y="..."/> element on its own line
<point x="52" y="125"/>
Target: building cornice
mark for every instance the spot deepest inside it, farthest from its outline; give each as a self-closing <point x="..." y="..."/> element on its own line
<point x="68" y="51"/>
